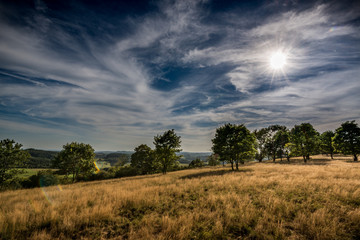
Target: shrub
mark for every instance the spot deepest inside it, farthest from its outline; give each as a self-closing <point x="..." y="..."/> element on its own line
<point x="126" y="171"/>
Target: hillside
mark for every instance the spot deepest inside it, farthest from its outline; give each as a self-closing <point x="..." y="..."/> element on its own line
<point x="318" y="200"/>
<point x="40" y="158"/>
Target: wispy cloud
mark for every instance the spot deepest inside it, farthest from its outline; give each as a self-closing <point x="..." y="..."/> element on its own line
<point x="180" y="65"/>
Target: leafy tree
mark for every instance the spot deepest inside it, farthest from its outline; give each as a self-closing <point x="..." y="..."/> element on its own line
<point x="76" y="158"/>
<point x="288" y="150"/>
<point x="221" y="144"/>
<point x="144" y="159"/>
<point x="281" y="138"/>
<point x="261" y="137"/>
<point x="326" y="143"/>
<point x="196" y="163"/>
<point x="274" y="141"/>
<point x="12" y="157"/>
<point x="305" y="140"/>
<point x="234" y="143"/>
<point x="213" y="160"/>
<point x="347" y="139"/>
<point x="166" y="147"/>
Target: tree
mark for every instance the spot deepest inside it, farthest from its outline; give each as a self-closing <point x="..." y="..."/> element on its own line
<point x="347" y="139"/>
<point x="288" y="150"/>
<point x="234" y="143"/>
<point x="213" y="160"/>
<point x="305" y="140"/>
<point x="143" y="159"/>
<point x="196" y="163"/>
<point x="274" y="141"/>
<point x="76" y="158"/>
<point x="326" y="143"/>
<point x="261" y="136"/>
<point x="166" y="147"/>
<point x="12" y="157"/>
<point x="281" y="138"/>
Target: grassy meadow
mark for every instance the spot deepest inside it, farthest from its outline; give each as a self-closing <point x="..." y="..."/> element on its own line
<point x="317" y="200"/>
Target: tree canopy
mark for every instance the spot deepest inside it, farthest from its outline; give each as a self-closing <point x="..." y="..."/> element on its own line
<point x="326" y="143"/>
<point x="304" y="139"/>
<point x="234" y="143"/>
<point x="274" y="140"/>
<point x="143" y="159"/>
<point x="347" y="139"/>
<point x="261" y="137"/>
<point x="76" y="158"/>
<point x="12" y="157"/>
<point x="166" y="147"/>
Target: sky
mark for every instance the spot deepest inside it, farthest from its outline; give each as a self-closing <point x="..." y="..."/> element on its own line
<point x="114" y="74"/>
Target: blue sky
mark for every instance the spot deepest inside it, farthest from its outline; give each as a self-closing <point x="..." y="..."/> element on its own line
<point x="115" y="74"/>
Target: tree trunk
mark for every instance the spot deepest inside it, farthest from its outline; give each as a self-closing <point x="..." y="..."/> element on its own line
<point x="355" y="158"/>
<point x="304" y="157"/>
<point x="308" y="157"/>
<point x="164" y="169"/>
<point x="288" y="158"/>
<point x="232" y="166"/>
<point x="332" y="155"/>
<point x="274" y="158"/>
<point x="237" y="165"/>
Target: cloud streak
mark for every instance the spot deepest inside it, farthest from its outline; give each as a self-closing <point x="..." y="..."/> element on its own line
<point x="184" y="65"/>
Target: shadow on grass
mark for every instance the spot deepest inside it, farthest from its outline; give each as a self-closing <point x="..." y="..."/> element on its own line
<point x="301" y="162"/>
<point x="214" y="173"/>
<point x="352" y="161"/>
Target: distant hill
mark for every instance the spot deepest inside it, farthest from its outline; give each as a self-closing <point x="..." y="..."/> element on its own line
<point x="187" y="157"/>
<point x="42" y="158"/>
<point x="114" y="157"/>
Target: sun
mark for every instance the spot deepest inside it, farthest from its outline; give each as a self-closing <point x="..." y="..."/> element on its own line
<point x="277" y="60"/>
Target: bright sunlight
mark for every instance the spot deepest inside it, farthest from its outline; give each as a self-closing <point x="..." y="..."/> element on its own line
<point x="277" y="60"/>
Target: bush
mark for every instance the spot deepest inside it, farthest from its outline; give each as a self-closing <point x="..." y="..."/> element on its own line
<point x="43" y="178"/>
<point x="101" y="175"/>
<point x="125" y="172"/>
<point x="196" y="163"/>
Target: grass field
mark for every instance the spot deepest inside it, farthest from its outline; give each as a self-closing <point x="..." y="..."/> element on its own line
<point x="318" y="200"/>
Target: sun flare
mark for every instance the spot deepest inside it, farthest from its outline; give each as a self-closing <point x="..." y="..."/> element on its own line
<point x="277" y="60"/>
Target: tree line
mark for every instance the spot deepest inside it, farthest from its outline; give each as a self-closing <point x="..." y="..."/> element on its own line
<point x="236" y="144"/>
<point x="233" y="143"/>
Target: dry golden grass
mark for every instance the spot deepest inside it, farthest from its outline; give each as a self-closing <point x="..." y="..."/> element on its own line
<point x="319" y="200"/>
